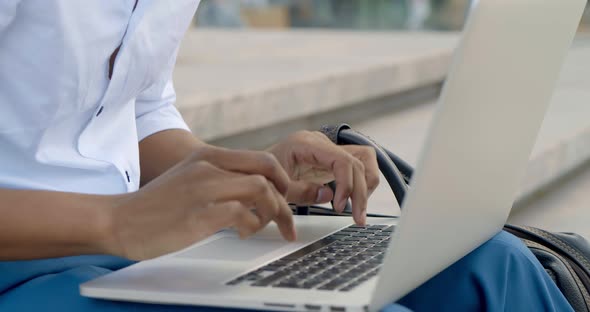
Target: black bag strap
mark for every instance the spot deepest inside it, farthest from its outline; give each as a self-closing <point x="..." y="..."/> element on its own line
<point x="344" y="135"/>
<point x="570" y="245"/>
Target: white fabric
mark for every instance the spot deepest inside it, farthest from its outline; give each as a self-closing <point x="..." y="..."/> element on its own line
<point x="54" y="59"/>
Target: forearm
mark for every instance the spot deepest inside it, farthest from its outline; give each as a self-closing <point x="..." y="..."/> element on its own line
<point x="162" y="150"/>
<point x="43" y="224"/>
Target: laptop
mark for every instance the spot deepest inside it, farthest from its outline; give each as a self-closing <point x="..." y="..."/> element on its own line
<point x="475" y="156"/>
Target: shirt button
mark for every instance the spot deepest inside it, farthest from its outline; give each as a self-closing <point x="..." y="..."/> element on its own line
<point x="99" y="111"/>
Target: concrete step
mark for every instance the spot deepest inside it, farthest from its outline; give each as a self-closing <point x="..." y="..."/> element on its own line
<point x="563" y="208"/>
<point x="233" y="82"/>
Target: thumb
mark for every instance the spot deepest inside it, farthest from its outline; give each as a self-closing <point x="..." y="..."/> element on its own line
<point x="306" y="193"/>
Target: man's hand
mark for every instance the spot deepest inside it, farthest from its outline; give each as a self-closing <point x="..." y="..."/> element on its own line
<point x="215" y="188"/>
<point x="195" y="199"/>
<point x="312" y="160"/>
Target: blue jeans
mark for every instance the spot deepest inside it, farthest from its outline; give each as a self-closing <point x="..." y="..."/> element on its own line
<point x="501" y="275"/>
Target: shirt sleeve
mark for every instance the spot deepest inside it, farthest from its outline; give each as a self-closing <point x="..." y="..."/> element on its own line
<point x="155" y="110"/>
<point x="7" y="12"/>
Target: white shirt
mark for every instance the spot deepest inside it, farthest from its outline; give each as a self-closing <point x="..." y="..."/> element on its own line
<point x="63" y="124"/>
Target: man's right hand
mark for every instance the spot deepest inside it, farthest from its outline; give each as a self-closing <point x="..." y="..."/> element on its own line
<point x="196" y="198"/>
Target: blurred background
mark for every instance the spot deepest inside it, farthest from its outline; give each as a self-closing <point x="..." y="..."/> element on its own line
<point x="250" y="72"/>
<point x="339" y="14"/>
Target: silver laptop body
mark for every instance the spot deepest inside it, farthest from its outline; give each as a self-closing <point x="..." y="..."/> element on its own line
<point x="490" y="112"/>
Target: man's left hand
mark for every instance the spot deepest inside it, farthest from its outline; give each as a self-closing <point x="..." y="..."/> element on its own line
<point x="312" y="160"/>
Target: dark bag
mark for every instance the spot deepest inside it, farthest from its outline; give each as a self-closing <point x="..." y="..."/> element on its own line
<point x="565" y="256"/>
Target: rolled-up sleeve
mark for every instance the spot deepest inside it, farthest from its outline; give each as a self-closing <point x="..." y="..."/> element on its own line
<point x="155" y="110"/>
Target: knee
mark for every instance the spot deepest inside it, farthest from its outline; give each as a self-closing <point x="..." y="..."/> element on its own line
<point x="504" y="244"/>
<point x="496" y="275"/>
<point x="501" y="251"/>
<point x="504" y="257"/>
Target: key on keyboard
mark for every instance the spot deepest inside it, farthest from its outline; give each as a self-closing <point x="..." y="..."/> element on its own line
<point x="340" y="262"/>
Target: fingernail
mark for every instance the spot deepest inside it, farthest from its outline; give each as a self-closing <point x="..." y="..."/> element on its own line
<point x="293" y="235"/>
<point x="358" y="216"/>
<point x="323" y="195"/>
<point x="342" y="205"/>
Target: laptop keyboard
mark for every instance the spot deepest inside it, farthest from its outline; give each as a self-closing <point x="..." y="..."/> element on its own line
<point x="338" y="262"/>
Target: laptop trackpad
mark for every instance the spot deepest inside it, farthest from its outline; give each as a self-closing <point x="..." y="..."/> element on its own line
<point x="233" y="249"/>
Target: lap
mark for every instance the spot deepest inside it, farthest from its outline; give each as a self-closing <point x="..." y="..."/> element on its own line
<point x="59" y="290"/>
<point x="501" y="275"/>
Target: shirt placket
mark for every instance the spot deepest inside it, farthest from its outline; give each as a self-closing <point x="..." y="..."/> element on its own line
<point x="117" y="76"/>
<point x="113" y="59"/>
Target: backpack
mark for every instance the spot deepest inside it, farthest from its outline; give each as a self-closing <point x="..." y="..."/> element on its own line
<point x="565" y="256"/>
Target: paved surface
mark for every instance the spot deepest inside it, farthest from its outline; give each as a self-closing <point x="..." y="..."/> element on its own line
<point x="565" y="208"/>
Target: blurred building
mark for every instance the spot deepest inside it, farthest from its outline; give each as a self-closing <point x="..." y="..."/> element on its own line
<point x="348" y="14"/>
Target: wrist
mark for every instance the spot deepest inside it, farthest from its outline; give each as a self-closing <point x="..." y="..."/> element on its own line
<point x="106" y="239"/>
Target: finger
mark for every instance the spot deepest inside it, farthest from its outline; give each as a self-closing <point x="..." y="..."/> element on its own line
<point x="326" y="155"/>
<point x="284" y="216"/>
<point x="248" y="162"/>
<point x="311" y="174"/>
<point x="284" y="221"/>
<point x="368" y="157"/>
<point x="254" y="191"/>
<point x="344" y="177"/>
<point x="305" y="193"/>
<point x="231" y="214"/>
<point x="268" y="208"/>
<point x="359" y="194"/>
